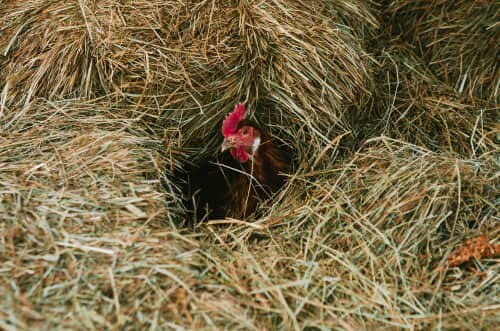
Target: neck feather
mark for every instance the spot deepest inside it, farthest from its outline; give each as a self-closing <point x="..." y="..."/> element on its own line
<point x="267" y="163"/>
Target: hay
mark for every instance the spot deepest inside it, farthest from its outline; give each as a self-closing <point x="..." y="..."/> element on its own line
<point x="194" y="60"/>
<point x="259" y="52"/>
<point x="78" y="161"/>
<point x="365" y="243"/>
<point x="360" y="252"/>
<point x="104" y="102"/>
<point x="412" y="104"/>
<point x="458" y="39"/>
<point x="71" y="173"/>
<point x="58" y="49"/>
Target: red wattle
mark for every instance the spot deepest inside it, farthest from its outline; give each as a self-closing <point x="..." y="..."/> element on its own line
<point x="239" y="154"/>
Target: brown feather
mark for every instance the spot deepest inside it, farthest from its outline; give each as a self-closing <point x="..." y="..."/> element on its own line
<point x="265" y="175"/>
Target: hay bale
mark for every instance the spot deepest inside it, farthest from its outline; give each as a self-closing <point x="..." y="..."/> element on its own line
<point x="390" y="182"/>
<point x="303" y="65"/>
<point x="78" y="161"/>
<point x="79" y="184"/>
<point x="361" y="249"/>
<point x="413" y="105"/>
<point x="458" y="39"/>
<point x="55" y="49"/>
<point x="299" y="66"/>
<point x="372" y="232"/>
<point x="358" y="252"/>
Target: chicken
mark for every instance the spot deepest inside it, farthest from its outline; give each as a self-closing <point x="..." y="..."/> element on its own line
<point x="238" y="181"/>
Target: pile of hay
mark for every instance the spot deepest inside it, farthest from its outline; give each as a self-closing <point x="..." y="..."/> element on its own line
<point x="457" y="39"/>
<point x="192" y="61"/>
<point x="395" y="144"/>
<point x="414" y="105"/>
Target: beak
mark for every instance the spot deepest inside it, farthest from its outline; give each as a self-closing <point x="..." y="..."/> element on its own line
<point x="227" y="144"/>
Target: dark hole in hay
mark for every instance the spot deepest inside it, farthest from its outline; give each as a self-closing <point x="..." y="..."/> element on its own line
<point x="203" y="184"/>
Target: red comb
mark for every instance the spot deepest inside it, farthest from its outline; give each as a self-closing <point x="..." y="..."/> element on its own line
<point x="231" y="121"/>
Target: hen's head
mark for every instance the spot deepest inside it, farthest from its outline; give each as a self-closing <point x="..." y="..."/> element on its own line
<point x="240" y="136"/>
